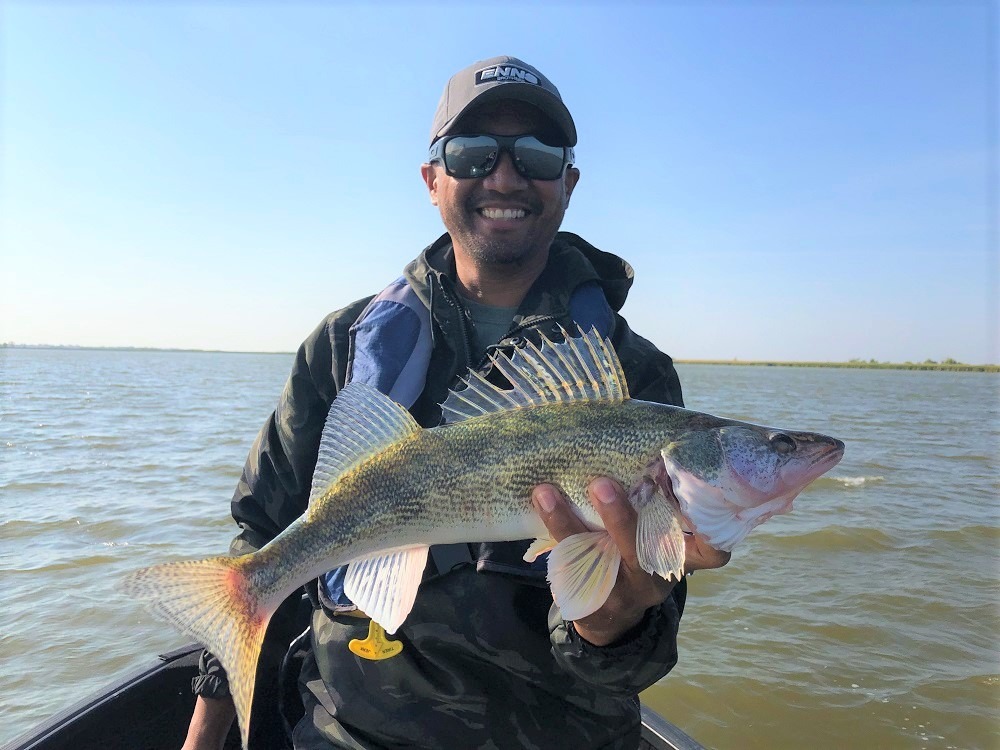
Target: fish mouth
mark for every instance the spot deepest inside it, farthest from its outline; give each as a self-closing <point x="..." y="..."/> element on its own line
<point x="826" y="455"/>
<point x="829" y="457"/>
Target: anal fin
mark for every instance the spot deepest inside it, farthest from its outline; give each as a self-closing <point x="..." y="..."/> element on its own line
<point x="385" y="586"/>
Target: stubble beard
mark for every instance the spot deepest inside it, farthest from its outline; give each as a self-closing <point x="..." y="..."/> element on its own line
<point x="495" y="250"/>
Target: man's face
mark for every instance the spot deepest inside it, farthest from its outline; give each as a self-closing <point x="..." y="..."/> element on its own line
<point x="502" y="218"/>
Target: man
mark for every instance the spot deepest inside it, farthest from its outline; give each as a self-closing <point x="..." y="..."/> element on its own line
<point x="484" y="658"/>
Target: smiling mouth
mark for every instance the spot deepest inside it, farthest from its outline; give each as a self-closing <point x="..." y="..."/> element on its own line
<point x="503" y="213"/>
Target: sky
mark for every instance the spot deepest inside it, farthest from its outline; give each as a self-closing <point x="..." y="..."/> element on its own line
<point x="790" y="180"/>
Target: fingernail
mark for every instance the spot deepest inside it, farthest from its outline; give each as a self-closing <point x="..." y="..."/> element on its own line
<point x="604" y="490"/>
<point x="546" y="498"/>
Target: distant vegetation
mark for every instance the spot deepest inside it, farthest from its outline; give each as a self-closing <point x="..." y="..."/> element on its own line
<point x="857" y="364"/>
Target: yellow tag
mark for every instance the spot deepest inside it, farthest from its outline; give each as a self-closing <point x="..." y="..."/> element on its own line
<point x="376" y="646"/>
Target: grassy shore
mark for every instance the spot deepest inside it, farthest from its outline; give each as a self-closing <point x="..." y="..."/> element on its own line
<point x="855" y="365"/>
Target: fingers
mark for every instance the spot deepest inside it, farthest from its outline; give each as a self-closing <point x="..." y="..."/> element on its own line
<point x="700" y="555"/>
<point x="555" y="512"/>
<point x="611" y="503"/>
<point x="617" y="514"/>
<point x="618" y="518"/>
<point x="635" y="590"/>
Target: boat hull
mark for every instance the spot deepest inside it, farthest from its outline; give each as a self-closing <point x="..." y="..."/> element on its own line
<point x="150" y="708"/>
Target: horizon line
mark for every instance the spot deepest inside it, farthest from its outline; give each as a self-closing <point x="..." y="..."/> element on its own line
<point x="858" y="363"/>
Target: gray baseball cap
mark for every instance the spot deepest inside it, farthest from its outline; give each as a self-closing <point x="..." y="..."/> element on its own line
<point x="501" y="77"/>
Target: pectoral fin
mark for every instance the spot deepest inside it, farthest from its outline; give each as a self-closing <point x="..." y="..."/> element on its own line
<point x="659" y="536"/>
<point x="583" y="569"/>
<point x="385" y="586"/>
<point x="705" y="506"/>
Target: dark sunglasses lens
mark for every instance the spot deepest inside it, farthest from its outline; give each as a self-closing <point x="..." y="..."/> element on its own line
<point x="476" y="155"/>
<point x="537" y="160"/>
<point x="470" y="156"/>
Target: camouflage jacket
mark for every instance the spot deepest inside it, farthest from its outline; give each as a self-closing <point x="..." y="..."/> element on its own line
<point x="487" y="660"/>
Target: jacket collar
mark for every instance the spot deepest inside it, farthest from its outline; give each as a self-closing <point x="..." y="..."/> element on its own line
<point x="572" y="261"/>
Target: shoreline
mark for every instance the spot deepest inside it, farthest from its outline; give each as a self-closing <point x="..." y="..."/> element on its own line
<point x="929" y="366"/>
<point x="75" y="348"/>
<point x="859" y="365"/>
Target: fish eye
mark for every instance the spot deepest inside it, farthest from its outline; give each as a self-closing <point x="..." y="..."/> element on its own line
<point x="782" y="443"/>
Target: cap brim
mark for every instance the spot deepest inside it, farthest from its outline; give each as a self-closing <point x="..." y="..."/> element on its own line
<point x="549" y="105"/>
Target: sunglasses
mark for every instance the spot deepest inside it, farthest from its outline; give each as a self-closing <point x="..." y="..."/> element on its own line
<point x="474" y="156"/>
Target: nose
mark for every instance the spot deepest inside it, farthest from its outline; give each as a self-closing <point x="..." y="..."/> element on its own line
<point x="505" y="178"/>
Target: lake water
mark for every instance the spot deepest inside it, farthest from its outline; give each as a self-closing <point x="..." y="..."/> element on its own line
<point x="868" y="617"/>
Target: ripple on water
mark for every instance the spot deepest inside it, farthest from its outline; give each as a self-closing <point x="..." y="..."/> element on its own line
<point x="834" y="538"/>
<point x="966" y="536"/>
<point x="846" y="483"/>
<point x="35" y="487"/>
<point x="931" y="715"/>
<point x="32" y="528"/>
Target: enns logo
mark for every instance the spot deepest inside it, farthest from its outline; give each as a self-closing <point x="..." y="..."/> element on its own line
<point x="506" y="73"/>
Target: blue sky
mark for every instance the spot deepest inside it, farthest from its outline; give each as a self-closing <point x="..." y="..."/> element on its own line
<point x="789" y="180"/>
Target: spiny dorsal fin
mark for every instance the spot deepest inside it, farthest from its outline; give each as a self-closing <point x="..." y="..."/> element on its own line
<point x="362" y="422"/>
<point x="577" y="369"/>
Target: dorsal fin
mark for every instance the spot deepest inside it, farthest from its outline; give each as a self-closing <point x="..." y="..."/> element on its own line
<point x="362" y="422"/>
<point x="577" y="369"/>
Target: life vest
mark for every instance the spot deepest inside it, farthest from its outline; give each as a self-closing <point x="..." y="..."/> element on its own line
<point x="390" y="350"/>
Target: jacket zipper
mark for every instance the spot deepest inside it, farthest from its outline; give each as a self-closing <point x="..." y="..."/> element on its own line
<point x="516" y="330"/>
<point x="462" y="322"/>
<point x="467" y="333"/>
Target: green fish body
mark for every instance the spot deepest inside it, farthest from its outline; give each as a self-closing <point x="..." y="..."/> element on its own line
<point x="385" y="489"/>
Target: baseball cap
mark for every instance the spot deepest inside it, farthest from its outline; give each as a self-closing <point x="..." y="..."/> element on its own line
<point x="498" y="78"/>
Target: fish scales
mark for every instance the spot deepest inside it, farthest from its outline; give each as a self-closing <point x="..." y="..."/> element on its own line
<point x="420" y="491"/>
<point x="385" y="490"/>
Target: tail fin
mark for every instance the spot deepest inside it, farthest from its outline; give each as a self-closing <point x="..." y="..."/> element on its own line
<point x="215" y="602"/>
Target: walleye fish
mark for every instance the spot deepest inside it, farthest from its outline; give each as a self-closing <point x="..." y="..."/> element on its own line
<point x="385" y="489"/>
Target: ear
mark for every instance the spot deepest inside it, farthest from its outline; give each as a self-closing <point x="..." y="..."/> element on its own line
<point x="430" y="173"/>
<point x="570" y="179"/>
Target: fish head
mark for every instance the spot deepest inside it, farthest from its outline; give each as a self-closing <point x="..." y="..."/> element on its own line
<point x="729" y="478"/>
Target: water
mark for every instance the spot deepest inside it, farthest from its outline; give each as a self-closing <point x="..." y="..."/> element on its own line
<point x="868" y="617"/>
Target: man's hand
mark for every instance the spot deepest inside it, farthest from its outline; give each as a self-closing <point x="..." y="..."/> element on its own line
<point x="635" y="590"/>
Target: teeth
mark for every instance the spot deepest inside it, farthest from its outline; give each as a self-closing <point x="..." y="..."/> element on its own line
<point x="503" y="213"/>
